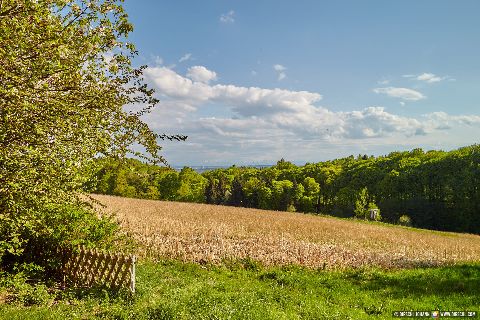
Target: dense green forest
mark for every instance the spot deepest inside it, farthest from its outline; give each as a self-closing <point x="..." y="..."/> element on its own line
<point x="435" y="189"/>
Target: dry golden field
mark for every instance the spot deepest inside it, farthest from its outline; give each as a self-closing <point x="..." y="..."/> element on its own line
<point x="207" y="233"/>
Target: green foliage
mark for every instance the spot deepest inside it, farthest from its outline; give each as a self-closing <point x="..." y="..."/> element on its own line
<point x="404" y="220"/>
<point x="437" y="190"/>
<point x="27" y="294"/>
<point x="377" y="216"/>
<point x="192" y="186"/>
<point x="312" y="188"/>
<point x="168" y="183"/>
<point x="282" y="194"/>
<point x="135" y="179"/>
<point x="361" y="209"/>
<point x="66" y="77"/>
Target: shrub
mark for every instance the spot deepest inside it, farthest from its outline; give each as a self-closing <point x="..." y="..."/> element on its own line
<point x="40" y="234"/>
<point x="22" y="290"/>
<point x="404" y="220"/>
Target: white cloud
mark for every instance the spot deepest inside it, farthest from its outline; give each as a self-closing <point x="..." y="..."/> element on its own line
<point x="228" y="17"/>
<point x="260" y="124"/>
<point x="376" y="122"/>
<point x="445" y="120"/>
<point x="429" y="77"/>
<point x="426" y="77"/>
<point x="281" y="74"/>
<point x="318" y="124"/>
<point x="402" y="93"/>
<point x="291" y="112"/>
<point x="173" y="85"/>
<point x="185" y="57"/>
<point x="243" y="100"/>
<point x="201" y="74"/>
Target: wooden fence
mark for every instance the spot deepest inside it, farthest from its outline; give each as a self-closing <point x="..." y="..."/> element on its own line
<point x="84" y="267"/>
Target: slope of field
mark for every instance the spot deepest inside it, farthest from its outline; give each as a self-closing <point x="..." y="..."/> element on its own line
<point x="206" y="233"/>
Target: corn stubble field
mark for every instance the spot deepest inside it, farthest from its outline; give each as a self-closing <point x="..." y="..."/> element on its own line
<point x="212" y="234"/>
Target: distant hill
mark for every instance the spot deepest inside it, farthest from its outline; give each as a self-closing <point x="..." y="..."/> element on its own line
<point x="201" y="169"/>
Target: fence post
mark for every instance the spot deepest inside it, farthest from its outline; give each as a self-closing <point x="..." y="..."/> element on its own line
<point x="132" y="275"/>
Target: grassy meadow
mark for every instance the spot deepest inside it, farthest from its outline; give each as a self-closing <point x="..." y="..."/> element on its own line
<point x="244" y="290"/>
<point x="213" y="262"/>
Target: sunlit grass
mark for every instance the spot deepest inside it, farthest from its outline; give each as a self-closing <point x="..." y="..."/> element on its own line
<point x="242" y="289"/>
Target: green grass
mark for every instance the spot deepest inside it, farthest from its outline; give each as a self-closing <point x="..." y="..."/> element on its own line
<point x="245" y="290"/>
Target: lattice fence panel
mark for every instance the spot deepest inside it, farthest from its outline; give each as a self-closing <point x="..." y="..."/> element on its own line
<point x="85" y="267"/>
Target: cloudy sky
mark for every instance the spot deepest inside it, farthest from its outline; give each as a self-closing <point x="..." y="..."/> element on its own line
<point x="253" y="81"/>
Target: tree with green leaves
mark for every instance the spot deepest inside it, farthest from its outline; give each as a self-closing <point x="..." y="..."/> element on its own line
<point x="66" y="76"/>
<point x="192" y="186"/>
<point x="361" y="204"/>
<point x="282" y="194"/>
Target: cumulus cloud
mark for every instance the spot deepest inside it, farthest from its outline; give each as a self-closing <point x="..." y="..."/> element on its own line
<point x="402" y="93"/>
<point x="185" y="57"/>
<point x="278" y="120"/>
<point x="319" y="124"/>
<point x="228" y="17"/>
<point x="201" y="74"/>
<point x="281" y="74"/>
<point x="171" y="84"/>
<point x="292" y="112"/>
<point x="442" y="119"/>
<point x="376" y="122"/>
<point x="245" y="101"/>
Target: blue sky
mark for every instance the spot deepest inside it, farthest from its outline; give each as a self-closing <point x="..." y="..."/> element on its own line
<point x="254" y="81"/>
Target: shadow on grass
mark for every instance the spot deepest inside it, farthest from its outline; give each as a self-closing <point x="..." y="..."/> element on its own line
<point x="100" y="293"/>
<point x="442" y="282"/>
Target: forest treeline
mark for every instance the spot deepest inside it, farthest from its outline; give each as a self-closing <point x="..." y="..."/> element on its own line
<point x="435" y="189"/>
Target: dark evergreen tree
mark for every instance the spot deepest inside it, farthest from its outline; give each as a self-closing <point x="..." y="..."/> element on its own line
<point x="237" y="197"/>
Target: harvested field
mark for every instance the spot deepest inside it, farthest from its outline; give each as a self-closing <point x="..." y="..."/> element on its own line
<point x="207" y="233"/>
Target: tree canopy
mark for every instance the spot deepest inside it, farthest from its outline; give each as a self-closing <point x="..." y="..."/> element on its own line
<point x="66" y="76"/>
